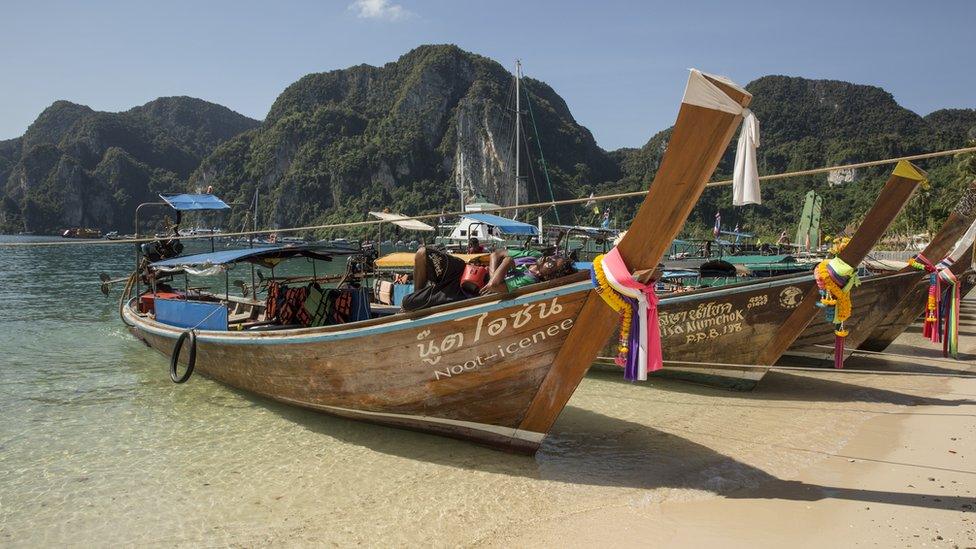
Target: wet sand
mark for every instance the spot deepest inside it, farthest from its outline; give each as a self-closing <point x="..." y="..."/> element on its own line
<point x="101" y="449"/>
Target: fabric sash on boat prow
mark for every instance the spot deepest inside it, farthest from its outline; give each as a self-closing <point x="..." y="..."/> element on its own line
<point x="639" y="349"/>
<point x="963" y="244"/>
<point x="702" y="92"/>
<point x="942" y="314"/>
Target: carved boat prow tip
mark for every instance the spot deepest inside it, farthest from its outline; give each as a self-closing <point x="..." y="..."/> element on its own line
<point x="495" y="371"/>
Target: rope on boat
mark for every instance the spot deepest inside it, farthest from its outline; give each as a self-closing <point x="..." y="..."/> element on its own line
<point x="882" y="354"/>
<point x="191" y="360"/>
<point x="868" y="164"/>
<point x="549" y="204"/>
<point x="129" y="284"/>
<point x="825" y="370"/>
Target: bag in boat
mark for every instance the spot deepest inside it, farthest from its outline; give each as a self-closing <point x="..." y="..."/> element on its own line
<point x="325" y="307"/>
<point x="383" y="289"/>
<point x="474" y="278"/>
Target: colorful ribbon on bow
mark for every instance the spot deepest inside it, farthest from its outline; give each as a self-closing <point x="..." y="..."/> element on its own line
<point x="931" y="328"/>
<point x="835" y="280"/>
<point x="637" y="305"/>
<point x="949" y="313"/>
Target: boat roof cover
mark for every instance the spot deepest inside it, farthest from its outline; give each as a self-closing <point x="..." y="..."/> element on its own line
<point x="224" y="257"/>
<point x="593" y="231"/>
<point x="480" y="205"/>
<point x="504" y="224"/>
<point x="406" y="259"/>
<point x="738" y="233"/>
<point x="751" y="259"/>
<point x="402" y="221"/>
<point x="184" y="202"/>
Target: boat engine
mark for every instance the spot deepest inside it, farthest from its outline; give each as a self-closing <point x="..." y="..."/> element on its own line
<point x="360" y="264"/>
<point x="158" y="250"/>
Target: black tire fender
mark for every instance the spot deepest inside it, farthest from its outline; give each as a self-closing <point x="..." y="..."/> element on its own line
<point x="175" y="359"/>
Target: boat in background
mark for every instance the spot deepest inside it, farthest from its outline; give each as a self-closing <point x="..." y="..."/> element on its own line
<point x="725" y="335"/>
<point x="80" y="232"/>
<point x="893" y="301"/>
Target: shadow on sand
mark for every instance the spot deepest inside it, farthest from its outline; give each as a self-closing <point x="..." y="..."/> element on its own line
<point x="789" y="387"/>
<point x="586" y="447"/>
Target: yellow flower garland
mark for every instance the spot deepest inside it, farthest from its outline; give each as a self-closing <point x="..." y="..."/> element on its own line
<point x="616" y="302"/>
<point x="832" y="294"/>
<point x="931" y="305"/>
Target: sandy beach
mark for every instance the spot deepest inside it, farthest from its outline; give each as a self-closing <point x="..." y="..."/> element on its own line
<point x="904" y="478"/>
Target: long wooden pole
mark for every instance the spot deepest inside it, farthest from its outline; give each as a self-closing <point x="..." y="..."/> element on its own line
<point x="700" y="137"/>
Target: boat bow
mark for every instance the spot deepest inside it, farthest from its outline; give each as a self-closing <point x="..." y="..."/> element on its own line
<point x="711" y="109"/>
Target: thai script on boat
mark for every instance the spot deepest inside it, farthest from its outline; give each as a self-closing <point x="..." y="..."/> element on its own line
<point x="431" y="351"/>
<point x="707" y="321"/>
<point x="502" y="351"/>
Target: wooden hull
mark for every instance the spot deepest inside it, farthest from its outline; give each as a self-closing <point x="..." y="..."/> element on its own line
<point x="466" y="372"/>
<point x="714" y="336"/>
<point x="909" y="307"/>
<point x="495" y="370"/>
<point x="872" y="300"/>
<point x="730" y="335"/>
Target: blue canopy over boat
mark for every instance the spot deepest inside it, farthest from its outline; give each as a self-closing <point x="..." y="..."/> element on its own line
<point x="503" y="224"/>
<point x="184" y="202"/>
<point x="225" y="257"/>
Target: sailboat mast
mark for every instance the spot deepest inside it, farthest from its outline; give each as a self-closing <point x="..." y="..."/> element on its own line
<point x="518" y="128"/>
<point x="255" y="219"/>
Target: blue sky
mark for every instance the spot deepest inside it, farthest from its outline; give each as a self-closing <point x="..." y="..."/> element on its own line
<point x="619" y="65"/>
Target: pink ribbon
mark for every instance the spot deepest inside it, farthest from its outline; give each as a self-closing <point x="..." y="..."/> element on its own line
<point x="648" y="357"/>
<point x="931" y="330"/>
<point x="949" y="313"/>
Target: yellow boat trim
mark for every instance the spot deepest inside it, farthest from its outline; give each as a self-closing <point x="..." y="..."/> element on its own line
<point x="405" y="259"/>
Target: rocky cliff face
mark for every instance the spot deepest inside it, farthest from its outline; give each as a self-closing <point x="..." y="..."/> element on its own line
<point x="412" y="135"/>
<point x="78" y="167"/>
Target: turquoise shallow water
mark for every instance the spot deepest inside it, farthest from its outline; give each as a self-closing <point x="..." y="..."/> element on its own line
<point x="98" y="447"/>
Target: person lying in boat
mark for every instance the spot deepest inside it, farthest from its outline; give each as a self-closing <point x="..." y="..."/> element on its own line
<point x="438" y="275"/>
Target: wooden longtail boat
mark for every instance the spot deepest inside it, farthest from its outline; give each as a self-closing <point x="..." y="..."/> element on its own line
<point x="891" y="302"/>
<point x="912" y="304"/>
<point x="719" y="335"/>
<point x="887" y="305"/>
<point x="497" y="370"/>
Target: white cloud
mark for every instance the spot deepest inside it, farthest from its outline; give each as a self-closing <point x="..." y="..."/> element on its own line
<point x="379" y="9"/>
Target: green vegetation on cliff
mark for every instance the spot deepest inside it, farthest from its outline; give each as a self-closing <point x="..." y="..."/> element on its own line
<point x="404" y="136"/>
<point x="416" y="133"/>
<point x="814" y="123"/>
<point x="79" y="167"/>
